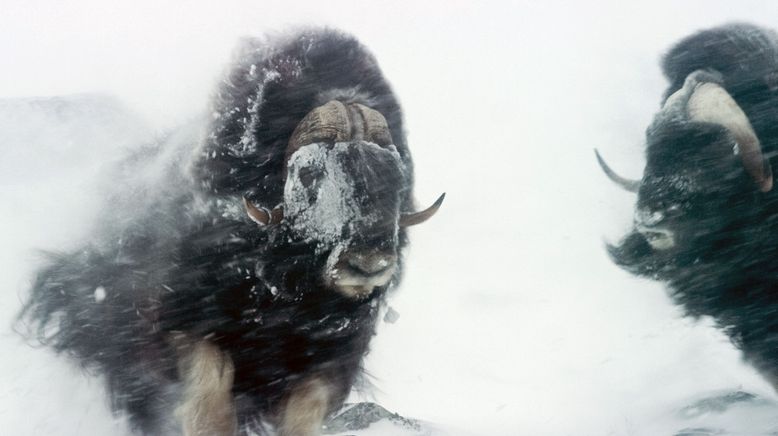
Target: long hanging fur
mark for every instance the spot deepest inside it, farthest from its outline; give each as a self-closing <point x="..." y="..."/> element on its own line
<point x="173" y="251"/>
<point x="725" y="263"/>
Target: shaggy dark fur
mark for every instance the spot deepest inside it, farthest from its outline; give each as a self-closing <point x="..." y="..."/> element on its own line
<point x="725" y="260"/>
<point x="174" y="250"/>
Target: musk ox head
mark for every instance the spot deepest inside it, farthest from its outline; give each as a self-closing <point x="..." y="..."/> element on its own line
<point x="704" y="169"/>
<point x="344" y="185"/>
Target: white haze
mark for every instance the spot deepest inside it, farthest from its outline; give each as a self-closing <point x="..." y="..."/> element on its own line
<point x="512" y="318"/>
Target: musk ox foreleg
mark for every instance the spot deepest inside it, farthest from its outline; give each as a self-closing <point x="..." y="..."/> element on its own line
<point x="305" y="407"/>
<point x="207" y="407"/>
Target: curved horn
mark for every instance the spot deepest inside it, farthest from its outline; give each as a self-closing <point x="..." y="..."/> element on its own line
<point x="338" y="122"/>
<point x="627" y="184"/>
<point x="262" y="216"/>
<point x="374" y="126"/>
<point x="411" y="219"/>
<point x="327" y="123"/>
<point x="712" y="103"/>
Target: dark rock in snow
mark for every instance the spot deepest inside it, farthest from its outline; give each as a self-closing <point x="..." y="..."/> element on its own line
<point x="360" y="416"/>
<point x="729" y="413"/>
<point x="720" y="404"/>
<point x="699" y="432"/>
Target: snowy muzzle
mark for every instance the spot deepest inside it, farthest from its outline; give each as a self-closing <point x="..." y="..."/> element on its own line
<point x="344" y="185"/>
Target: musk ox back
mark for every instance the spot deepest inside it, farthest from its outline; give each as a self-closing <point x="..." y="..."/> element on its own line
<point x="234" y="282"/>
<point x="706" y="217"/>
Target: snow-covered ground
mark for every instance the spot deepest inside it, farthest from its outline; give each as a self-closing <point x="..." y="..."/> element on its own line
<point x="511" y="318"/>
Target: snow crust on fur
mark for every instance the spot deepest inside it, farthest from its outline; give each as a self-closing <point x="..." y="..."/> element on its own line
<point x="328" y="208"/>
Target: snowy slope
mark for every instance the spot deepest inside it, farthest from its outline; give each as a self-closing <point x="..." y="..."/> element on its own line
<point x="52" y="149"/>
<point x="511" y="318"/>
<point x="42" y="136"/>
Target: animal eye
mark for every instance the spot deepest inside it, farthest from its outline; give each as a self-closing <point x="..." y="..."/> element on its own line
<point x="309" y="176"/>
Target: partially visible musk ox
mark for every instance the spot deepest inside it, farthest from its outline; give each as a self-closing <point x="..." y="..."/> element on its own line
<point x="236" y="284"/>
<point x="706" y="219"/>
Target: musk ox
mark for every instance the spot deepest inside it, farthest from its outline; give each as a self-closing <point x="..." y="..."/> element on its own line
<point x="232" y="284"/>
<point x="706" y="217"/>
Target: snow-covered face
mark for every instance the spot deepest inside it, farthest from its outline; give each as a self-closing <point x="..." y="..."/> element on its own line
<point x="345" y="199"/>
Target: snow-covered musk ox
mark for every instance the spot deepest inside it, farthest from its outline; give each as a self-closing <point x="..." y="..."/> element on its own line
<point x="706" y="217"/>
<point x="235" y="284"/>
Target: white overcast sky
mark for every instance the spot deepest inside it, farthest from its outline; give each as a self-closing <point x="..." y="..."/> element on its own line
<point x="164" y="55"/>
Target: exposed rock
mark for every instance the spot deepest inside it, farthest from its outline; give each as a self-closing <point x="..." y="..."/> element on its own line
<point x="728" y="413"/>
<point x="720" y="403"/>
<point x="360" y="416"/>
<point x="699" y="432"/>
